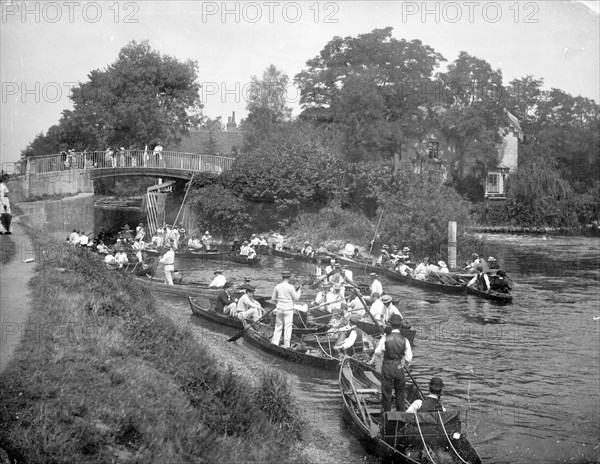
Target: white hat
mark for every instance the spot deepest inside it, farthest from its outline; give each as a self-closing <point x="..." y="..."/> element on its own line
<point x="442" y="264"/>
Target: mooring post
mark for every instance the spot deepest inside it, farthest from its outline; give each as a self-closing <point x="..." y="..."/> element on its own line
<point x="451" y="244"/>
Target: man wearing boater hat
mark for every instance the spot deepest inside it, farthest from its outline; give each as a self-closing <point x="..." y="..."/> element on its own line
<point x="396" y="352"/>
<point x="433" y="401"/>
<point x="285" y="295"/>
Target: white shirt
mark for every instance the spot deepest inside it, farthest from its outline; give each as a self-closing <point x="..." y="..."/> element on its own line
<point x="407" y="350"/>
<point x="356" y="306"/>
<point x="251" y="253"/>
<point x="110" y="259"/>
<point x="376" y="287"/>
<point x="83" y="240"/>
<point x="3" y="189"/>
<point x="349" y="249"/>
<point x="416" y="404"/>
<point x="218" y="282"/>
<point x="121" y="258"/>
<point x="377" y="309"/>
<point x="74" y="238"/>
<point x="388" y="311"/>
<point x="158" y="151"/>
<point x="168" y="259"/>
<point x="255" y="241"/>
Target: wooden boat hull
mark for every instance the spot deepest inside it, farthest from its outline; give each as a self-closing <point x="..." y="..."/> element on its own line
<point x="397" y="436"/>
<point x="364" y="266"/>
<point x="504" y="298"/>
<point x="371" y="329"/>
<point x="260" y="337"/>
<point x="426" y="284"/>
<point x="206" y="312"/>
<point x="201" y="255"/>
<point x="294" y="255"/>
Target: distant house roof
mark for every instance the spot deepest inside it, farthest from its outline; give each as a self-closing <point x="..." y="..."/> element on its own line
<point x="515" y="124"/>
<point x="197" y="142"/>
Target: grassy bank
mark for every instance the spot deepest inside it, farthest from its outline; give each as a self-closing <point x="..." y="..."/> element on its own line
<point x="101" y="377"/>
<point x="8" y="249"/>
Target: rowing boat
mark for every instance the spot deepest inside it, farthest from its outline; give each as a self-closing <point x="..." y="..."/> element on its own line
<point x="203" y="308"/>
<point x="398" y="435"/>
<point x="259" y="335"/>
<point x="364" y="266"/>
<point x="440" y="285"/>
<point x="288" y="253"/>
<point x="202" y="255"/>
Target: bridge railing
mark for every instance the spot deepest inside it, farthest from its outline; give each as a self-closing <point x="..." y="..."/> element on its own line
<point x="128" y="159"/>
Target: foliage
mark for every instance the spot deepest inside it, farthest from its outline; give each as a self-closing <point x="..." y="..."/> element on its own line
<point x="330" y="224"/>
<point x="142" y="98"/>
<point x="368" y="87"/>
<point x="416" y="212"/>
<point x="220" y="210"/>
<point x="290" y="169"/>
<point x="266" y="104"/>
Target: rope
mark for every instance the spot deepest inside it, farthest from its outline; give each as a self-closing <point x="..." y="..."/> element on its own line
<point x="448" y="438"/>
<point x="423" y="439"/>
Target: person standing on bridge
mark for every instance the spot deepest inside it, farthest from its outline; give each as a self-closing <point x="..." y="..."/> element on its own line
<point x="158" y="153"/>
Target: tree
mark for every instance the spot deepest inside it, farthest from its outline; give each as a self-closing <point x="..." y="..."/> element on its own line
<point x="369" y="87"/>
<point x="141" y="98"/>
<point x="472" y="112"/>
<point x="292" y="169"/>
<point x="266" y="105"/>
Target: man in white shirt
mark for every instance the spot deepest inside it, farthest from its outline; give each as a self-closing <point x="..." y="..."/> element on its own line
<point x="376" y="286"/>
<point x="377" y="307"/>
<point x="158" y="154"/>
<point x="83" y="240"/>
<point x="219" y="281"/>
<point x="168" y="260"/>
<point x="285" y="295"/>
<point x="247" y="306"/>
<point x="254" y="240"/>
<point x="389" y="309"/>
<point x="74" y="238"/>
<point x="348" y="251"/>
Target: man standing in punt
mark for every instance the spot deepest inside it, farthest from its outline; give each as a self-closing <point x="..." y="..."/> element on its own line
<point x="285" y="295"/>
<point x="396" y="353"/>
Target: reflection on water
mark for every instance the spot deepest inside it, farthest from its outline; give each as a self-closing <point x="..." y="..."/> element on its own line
<point x="525" y="375"/>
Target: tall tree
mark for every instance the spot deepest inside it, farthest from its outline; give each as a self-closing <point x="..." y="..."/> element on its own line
<point x="267" y="105"/>
<point x="369" y="87"/>
<point x="472" y="112"/>
<point x="141" y="98"/>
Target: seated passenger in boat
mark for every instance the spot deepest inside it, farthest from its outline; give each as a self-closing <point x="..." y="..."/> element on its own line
<point x="443" y="267"/>
<point x="307" y="250"/>
<point x="321" y="294"/>
<point x="493" y="263"/>
<point x="245" y="248"/>
<point x="335" y="299"/>
<point x="235" y="247"/>
<point x="356" y="307"/>
<point x="226" y="304"/>
<point x="431" y="268"/>
<point x="376" y="286"/>
<point x="278" y="239"/>
<point x="402" y="267"/>
<point x="433" y="401"/>
<point x="110" y="260"/>
<point x="351" y="339"/>
<point x="194" y="244"/>
<point x="219" y="281"/>
<point x="348" y="251"/>
<point x="472" y="267"/>
<point x="263" y="241"/>
<point x="254" y="240"/>
<point x="420" y="271"/>
<point x="121" y="258"/>
<point x="102" y="248"/>
<point x="251" y="252"/>
<point x="207" y="240"/>
<point x="247" y="306"/>
<point x="481" y="281"/>
<point x="499" y="282"/>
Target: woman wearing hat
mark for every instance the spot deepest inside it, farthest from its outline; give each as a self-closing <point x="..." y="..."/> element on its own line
<point x="433" y="401"/>
<point x="396" y="352"/>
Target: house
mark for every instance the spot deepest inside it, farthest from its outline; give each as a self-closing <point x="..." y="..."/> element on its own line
<point x="495" y="185"/>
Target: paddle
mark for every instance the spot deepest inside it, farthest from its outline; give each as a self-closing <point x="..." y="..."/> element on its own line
<point x="239" y="335"/>
<point x="415" y="382"/>
<point x="321" y="279"/>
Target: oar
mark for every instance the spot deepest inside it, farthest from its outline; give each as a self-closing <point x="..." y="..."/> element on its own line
<point x="415" y="382"/>
<point x="321" y="279"/>
<point x="239" y="335"/>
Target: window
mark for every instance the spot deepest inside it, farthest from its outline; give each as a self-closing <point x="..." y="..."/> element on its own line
<point x="493" y="183"/>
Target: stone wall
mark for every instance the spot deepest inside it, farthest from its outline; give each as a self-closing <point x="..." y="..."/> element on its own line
<point x="33" y="185"/>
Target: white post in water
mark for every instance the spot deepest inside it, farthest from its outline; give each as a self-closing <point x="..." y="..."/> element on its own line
<point x="451" y="244"/>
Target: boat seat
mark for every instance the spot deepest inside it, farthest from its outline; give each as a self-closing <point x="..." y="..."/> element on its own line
<point x="367" y="391"/>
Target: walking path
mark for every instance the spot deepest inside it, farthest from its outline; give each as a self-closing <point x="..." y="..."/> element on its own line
<point x="15" y="298"/>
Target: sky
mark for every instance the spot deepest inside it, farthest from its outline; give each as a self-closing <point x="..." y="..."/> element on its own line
<point x="48" y="47"/>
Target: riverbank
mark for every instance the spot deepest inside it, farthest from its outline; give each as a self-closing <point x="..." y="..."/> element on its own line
<point x="102" y="375"/>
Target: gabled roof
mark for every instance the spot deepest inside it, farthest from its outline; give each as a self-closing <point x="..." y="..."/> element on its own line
<point x="515" y="124"/>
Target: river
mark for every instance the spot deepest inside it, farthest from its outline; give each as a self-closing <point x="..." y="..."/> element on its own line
<point x="525" y="375"/>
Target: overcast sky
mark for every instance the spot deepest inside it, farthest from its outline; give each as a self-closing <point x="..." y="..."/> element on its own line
<point x="46" y="47"/>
